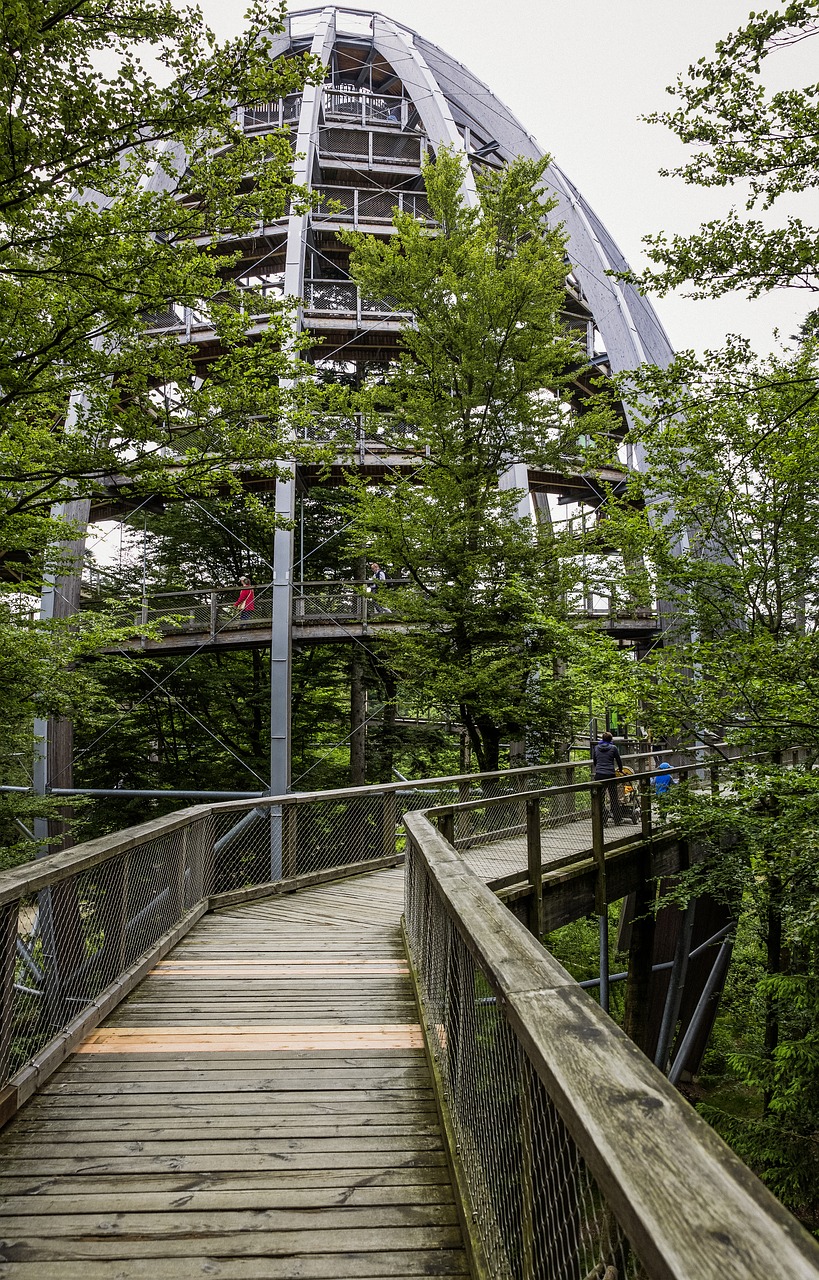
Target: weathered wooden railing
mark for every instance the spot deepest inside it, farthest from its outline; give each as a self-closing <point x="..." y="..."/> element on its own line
<point x="79" y="929"/>
<point x="576" y="1159"/>
<point x="574" y="1156"/>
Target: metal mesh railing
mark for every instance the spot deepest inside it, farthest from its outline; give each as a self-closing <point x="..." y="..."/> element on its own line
<point x="536" y="1208"/>
<point x="72" y="924"/>
<point x="341" y="297"/>
<point x="489" y="826"/>
<point x="211" y="609"/>
<point x="365" y="147"/>
<point x="362" y="205"/>
<point x="69" y="939"/>
<point x="576" y="1159"/>
<point x="257" y="844"/>
<point x="351" y="103"/>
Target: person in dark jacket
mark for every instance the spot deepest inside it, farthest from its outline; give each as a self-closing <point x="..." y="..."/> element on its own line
<point x="607" y="761"/>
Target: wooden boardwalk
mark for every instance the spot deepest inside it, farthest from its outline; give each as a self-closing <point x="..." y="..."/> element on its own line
<point x="259" y="1107"/>
<point x="571" y="841"/>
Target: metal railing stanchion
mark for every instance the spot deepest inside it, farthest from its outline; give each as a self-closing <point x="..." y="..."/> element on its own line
<point x="601" y="906"/>
<point x="446" y="826"/>
<point x="534" y="863"/>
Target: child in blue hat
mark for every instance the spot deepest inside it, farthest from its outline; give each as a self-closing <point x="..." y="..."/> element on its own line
<point x="664" y="781"/>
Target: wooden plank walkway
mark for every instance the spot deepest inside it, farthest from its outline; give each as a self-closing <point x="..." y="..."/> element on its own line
<point x="260" y="1107"/>
<point x="571" y="840"/>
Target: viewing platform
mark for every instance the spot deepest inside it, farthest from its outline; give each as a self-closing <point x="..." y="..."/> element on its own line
<point x="325" y="611"/>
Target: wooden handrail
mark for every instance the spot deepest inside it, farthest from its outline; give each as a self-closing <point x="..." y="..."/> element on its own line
<point x="18" y="882"/>
<point x="55" y="867"/>
<point x="689" y="1207"/>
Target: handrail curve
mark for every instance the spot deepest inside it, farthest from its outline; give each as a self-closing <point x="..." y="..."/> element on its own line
<point x="578" y="1153"/>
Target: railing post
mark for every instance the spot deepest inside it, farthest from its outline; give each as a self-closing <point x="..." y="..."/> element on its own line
<point x="645" y="808"/>
<point x="534" y="863"/>
<point x="389" y="822"/>
<point x="462" y="817"/>
<point x="446" y="826"/>
<point x="276" y="841"/>
<point x="570" y="799"/>
<point x="214" y="604"/>
<point x="601" y="906"/>
<point x="289" y="839"/>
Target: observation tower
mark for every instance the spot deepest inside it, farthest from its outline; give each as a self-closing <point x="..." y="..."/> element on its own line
<point x="389" y="98"/>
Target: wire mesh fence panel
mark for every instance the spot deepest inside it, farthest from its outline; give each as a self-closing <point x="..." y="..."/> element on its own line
<point x="535" y="1207"/>
<point x="327" y="601"/>
<point x="268" y="842"/>
<point x="73" y="939"/>
<point x="347" y="144"/>
<point x="338" y="204"/>
<point x="207" y="610"/>
<point x="330" y="297"/>
<point x="382" y="307"/>
<point x="401" y="148"/>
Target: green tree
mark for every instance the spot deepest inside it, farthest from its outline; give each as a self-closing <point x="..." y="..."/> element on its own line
<point x="110" y="187"/>
<point x="760" y="840"/>
<point x="763" y="143"/>
<point x="487" y="376"/>
<point x="727" y="535"/>
<point x="124" y="197"/>
<point x="725" y="516"/>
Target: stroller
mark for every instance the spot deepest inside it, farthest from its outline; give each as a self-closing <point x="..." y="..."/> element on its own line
<point x="629" y="796"/>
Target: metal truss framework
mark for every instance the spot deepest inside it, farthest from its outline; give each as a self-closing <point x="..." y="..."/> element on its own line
<point x="388" y="98"/>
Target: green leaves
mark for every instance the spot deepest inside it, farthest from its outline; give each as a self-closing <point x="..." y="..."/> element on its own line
<point x="116" y="191"/>
<point x="486" y="377"/>
<point x="729" y="534"/>
<point x="742" y="135"/>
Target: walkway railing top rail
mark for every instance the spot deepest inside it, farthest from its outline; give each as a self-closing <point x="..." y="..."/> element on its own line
<point x="74" y="924"/>
<point x="212" y="609"/>
<point x="579" y="1158"/>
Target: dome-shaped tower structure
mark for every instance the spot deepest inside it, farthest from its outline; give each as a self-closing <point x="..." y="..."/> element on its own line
<point x="389" y="98"/>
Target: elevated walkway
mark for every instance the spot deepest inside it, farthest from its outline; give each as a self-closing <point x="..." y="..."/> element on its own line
<point x="243" y="1041"/>
<point x="205" y="618"/>
<point x="261" y="1106"/>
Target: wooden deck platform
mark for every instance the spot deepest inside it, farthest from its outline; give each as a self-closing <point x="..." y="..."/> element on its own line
<point x="572" y="841"/>
<point x="259" y="1107"/>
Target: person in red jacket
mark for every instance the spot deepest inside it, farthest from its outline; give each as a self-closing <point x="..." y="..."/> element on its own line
<point x="245" y="605"/>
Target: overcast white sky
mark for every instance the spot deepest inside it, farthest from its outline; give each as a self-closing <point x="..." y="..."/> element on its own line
<point x="578" y="76"/>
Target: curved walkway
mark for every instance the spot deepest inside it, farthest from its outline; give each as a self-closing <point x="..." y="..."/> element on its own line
<point x="259" y="1107"/>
